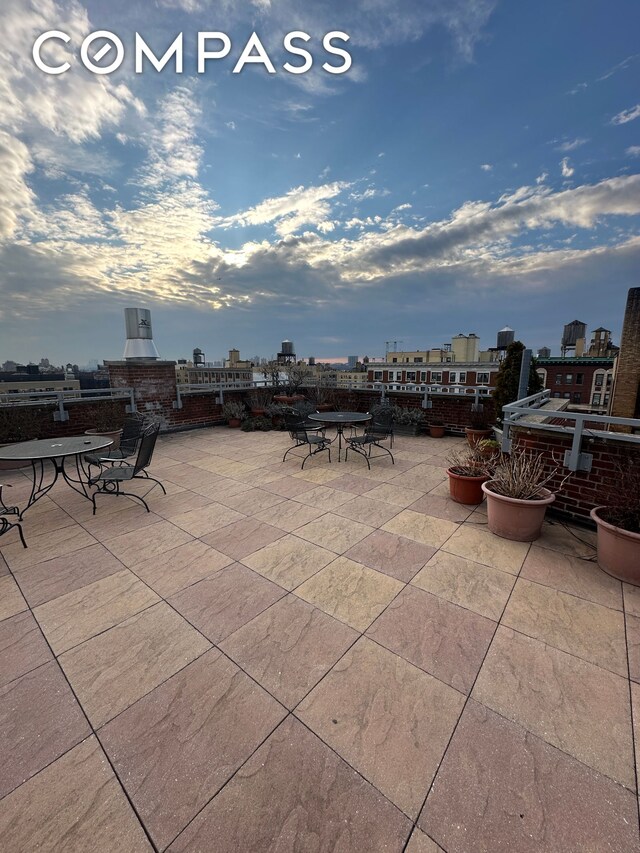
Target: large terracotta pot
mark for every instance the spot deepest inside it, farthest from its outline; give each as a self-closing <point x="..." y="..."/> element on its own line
<point x="464" y="489"/>
<point x="436" y="430"/>
<point x="114" y="435"/>
<point x="476" y="435"/>
<point x="234" y="422"/>
<point x="618" y="550"/>
<point x="516" y="519"/>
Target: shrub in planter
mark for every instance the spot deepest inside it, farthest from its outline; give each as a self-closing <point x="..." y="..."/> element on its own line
<point x="276" y="412"/>
<point x="107" y="418"/>
<point x="234" y="413"/>
<point x="407" y="421"/>
<point x="488" y="447"/>
<point x="259" y="424"/>
<point x="518" y="497"/>
<point x="618" y="524"/>
<point x="479" y="428"/>
<point x="468" y="470"/>
<point x="259" y="400"/>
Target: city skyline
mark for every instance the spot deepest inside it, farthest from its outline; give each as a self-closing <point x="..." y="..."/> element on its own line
<point x="477" y="166"/>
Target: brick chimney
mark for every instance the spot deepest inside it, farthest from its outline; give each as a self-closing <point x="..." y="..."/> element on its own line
<point x="625" y="401"/>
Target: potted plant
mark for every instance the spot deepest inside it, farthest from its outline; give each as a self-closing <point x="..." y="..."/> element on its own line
<point x="479" y="428"/>
<point x="234" y="412"/>
<point x="108" y="418"/>
<point x="259" y="399"/>
<point x="468" y="470"/>
<point x="406" y="421"/>
<point x="618" y="525"/>
<point x="276" y="412"/>
<point x="436" y="429"/>
<point x="488" y="447"/>
<point x="518" y="497"/>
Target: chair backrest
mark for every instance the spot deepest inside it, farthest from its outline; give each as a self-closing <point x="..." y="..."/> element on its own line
<point x="295" y="426"/>
<point x="132" y="430"/>
<point x="382" y="424"/>
<point x="147" y="445"/>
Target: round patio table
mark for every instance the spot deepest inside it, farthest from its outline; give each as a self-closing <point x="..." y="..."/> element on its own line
<point x="340" y="420"/>
<point x="56" y="451"/>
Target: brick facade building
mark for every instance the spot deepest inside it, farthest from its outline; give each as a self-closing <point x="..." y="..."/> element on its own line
<point x="586" y="382"/>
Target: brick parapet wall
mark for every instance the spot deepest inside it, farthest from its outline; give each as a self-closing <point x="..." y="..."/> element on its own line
<point x="583" y="490"/>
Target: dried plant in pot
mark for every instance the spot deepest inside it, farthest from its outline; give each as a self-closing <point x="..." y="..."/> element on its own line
<point x="107" y="417"/>
<point x="234" y="413"/>
<point x="618" y="524"/>
<point x="468" y="470"/>
<point x="517" y="495"/>
<point x="479" y="428"/>
<point x="259" y="400"/>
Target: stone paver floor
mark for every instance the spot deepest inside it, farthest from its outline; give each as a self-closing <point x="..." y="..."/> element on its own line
<point x="321" y="660"/>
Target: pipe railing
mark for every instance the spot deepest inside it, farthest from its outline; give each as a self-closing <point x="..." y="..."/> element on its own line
<point x="515" y="414"/>
<point x="15" y="399"/>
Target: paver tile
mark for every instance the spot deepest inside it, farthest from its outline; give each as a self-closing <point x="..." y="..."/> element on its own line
<point x="40" y="720"/>
<point x="128" y="519"/>
<point x="472" y="585"/>
<point x="289" y="647"/>
<point x="111" y="671"/>
<point x="442" y="507"/>
<point x="22" y="647"/>
<point x="388" y="719"/>
<point x="585" y="629"/>
<point x="253" y="501"/>
<point x="435" y="635"/>
<point x="421" y="843"/>
<point x="350" y="591"/>
<point x="575" y="541"/>
<point x="72" y="618"/>
<point x="294" y="793"/>
<point x="478" y="544"/>
<point x="243" y="537"/>
<point x="423" y="528"/>
<point x="180" y="567"/>
<point x="177" y="746"/>
<point x="206" y="519"/>
<point x="366" y="510"/>
<point x="323" y="497"/>
<point x="289" y="516"/>
<point x="334" y="532"/>
<point x="396" y="495"/>
<point x="572" y="704"/>
<point x="132" y="548"/>
<point x="61" y="575"/>
<point x="221" y="604"/>
<point x="289" y="561"/>
<point x="633" y="646"/>
<point x="11" y="599"/>
<point x="288" y="487"/>
<point x="631" y="599"/>
<point x="501" y="789"/>
<point x="55" y="543"/>
<point x="394" y="555"/>
<point x="572" y="574"/>
<point x="74" y="805"/>
<point x="353" y="483"/>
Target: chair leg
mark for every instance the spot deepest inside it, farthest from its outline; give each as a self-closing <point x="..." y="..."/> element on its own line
<point x="19" y="526"/>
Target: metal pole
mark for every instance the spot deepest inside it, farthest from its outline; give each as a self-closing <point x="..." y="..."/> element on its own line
<point x="525" y="366"/>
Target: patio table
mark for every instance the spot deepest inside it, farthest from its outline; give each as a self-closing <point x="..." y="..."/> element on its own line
<point x="56" y="451"/>
<point x="340" y="420"/>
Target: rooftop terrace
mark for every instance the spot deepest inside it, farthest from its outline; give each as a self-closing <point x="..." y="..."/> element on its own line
<point x="322" y="660"/>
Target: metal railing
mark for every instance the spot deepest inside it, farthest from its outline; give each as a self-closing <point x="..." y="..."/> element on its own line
<point x="21" y="399"/>
<point x="515" y="414"/>
<point x="215" y="388"/>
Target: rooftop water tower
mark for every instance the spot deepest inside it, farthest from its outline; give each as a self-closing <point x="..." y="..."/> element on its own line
<point x="573" y="332"/>
<point x="505" y="337"/>
<point x="198" y="357"/>
<point x="139" y="345"/>
<point x="287" y="353"/>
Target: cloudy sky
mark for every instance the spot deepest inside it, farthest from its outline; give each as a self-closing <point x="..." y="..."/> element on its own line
<point x="478" y="165"/>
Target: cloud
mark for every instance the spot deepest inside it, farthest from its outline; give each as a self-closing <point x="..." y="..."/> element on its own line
<point x="486" y="167"/>
<point x="633" y="151"/>
<point x="231" y="125"/>
<point x="571" y="144"/>
<point x="627" y="115"/>
<point x="567" y="170"/>
<point x="542" y="178"/>
<point x="619" y="67"/>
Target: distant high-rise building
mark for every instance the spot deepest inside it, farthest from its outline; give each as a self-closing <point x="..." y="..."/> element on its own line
<point x="352" y="360"/>
<point x="544" y="352"/>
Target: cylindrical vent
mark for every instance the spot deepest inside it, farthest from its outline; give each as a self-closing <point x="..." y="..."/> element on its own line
<point x="139" y="345"/>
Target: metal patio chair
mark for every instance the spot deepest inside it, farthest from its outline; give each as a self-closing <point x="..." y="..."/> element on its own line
<point x="5" y="524"/>
<point x="376" y="431"/>
<point x="108" y="481"/>
<point x="132" y="430"/>
<point x="309" y="435"/>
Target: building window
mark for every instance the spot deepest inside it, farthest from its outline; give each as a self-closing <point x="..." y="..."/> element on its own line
<point x="453" y="377"/>
<point x="599" y="380"/>
<point x="423" y="376"/>
<point x="567" y="395"/>
<point x="556" y="393"/>
<point x="436" y="376"/>
<point x="577" y="397"/>
<point x="579" y="378"/>
<point x="482" y="378"/>
<point x="609" y="378"/>
<point x="411" y="376"/>
<point x="568" y="379"/>
<point x="596" y="399"/>
<point x="377" y="376"/>
<point x="418" y="359"/>
<point x="394" y="360"/>
<point x="606" y="399"/>
<point x="463" y="378"/>
<point x="558" y="379"/>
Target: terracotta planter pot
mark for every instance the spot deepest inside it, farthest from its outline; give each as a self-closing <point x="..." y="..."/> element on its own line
<point x="464" y="489"/>
<point x="618" y="550"/>
<point x="436" y="431"/>
<point x="476" y="435"/>
<point x="324" y="407"/>
<point x="516" y="519"/>
<point x="258" y="413"/>
<point x="114" y="435"/>
<point x="234" y="422"/>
